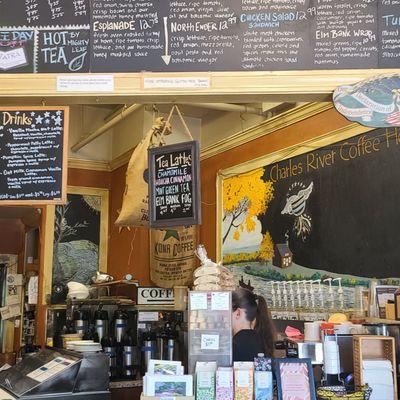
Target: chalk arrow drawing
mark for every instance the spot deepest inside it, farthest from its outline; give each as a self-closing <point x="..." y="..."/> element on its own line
<point x="166" y="57"/>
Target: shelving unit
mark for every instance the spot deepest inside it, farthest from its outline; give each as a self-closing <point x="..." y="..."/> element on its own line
<point x="371" y="347"/>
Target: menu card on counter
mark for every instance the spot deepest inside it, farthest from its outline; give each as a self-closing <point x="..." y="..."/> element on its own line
<point x="174" y="185"/>
<point x="34" y="155"/>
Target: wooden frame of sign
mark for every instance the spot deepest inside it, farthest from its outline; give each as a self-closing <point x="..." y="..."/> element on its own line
<point x="165" y="196"/>
<point x="33" y="116"/>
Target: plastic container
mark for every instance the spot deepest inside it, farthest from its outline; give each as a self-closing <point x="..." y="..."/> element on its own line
<point x="210" y="328"/>
<point x="70" y="337"/>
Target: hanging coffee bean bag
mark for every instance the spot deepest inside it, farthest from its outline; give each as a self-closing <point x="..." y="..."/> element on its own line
<point x="135" y="209"/>
<point x="172" y="256"/>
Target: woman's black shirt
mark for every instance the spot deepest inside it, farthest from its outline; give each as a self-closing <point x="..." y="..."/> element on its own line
<point x="247" y="344"/>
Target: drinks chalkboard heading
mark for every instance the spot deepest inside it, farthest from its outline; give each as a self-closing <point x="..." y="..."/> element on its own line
<point x="174" y="185"/>
<point x="34" y="155"/>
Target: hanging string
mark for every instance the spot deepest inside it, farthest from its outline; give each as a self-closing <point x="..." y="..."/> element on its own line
<point x="156" y="112"/>
<point x="132" y="246"/>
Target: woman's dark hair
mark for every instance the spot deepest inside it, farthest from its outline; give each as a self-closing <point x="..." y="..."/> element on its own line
<point x="256" y="309"/>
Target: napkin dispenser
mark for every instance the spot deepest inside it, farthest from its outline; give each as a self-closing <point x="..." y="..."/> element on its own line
<point x="300" y="349"/>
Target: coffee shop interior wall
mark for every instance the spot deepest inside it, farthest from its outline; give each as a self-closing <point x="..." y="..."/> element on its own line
<point x="129" y="249"/>
<point x="103" y="164"/>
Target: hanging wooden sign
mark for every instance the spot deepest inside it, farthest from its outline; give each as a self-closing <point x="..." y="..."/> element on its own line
<point x="174" y="185"/>
<point x="34" y="155"/>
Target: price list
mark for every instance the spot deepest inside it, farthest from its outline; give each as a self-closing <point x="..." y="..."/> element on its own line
<point x="32" y="154"/>
<point x="174" y="185"/>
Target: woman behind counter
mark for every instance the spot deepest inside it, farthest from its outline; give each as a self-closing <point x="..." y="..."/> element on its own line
<point x="252" y="326"/>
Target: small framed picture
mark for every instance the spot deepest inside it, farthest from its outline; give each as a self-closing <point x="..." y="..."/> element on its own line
<point x="295" y="379"/>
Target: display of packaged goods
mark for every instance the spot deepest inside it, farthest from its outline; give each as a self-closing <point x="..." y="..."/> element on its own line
<point x="205" y="380"/>
<point x="143" y="397"/>
<point x="263" y="386"/>
<point x="168" y="385"/>
<point x="263" y="389"/>
<point x="164" y="367"/>
<point x="224" y="383"/>
<point x="262" y="363"/>
<point x="210" y="328"/>
<point x="244" y="375"/>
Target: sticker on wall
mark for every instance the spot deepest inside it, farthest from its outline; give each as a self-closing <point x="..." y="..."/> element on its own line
<point x="374" y="102"/>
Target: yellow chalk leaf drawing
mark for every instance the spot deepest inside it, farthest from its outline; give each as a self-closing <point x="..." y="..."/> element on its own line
<point x="245" y="196"/>
<point x="267" y="247"/>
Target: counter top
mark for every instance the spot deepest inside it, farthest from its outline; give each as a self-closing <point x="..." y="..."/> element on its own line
<point x="125" y="384"/>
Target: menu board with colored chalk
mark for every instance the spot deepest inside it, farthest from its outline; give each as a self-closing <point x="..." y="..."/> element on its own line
<point x="198" y="35"/>
<point x="34" y="154"/>
<point x="174" y="189"/>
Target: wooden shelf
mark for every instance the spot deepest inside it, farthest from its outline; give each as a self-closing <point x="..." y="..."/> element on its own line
<point x="225" y="87"/>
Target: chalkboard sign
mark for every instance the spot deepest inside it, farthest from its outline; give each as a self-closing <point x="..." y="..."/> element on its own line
<point x="198" y="35"/>
<point x="174" y="191"/>
<point x="40" y="13"/>
<point x="44" y="36"/>
<point x="333" y="209"/>
<point x="244" y="35"/>
<point x="63" y="50"/>
<point x="34" y="155"/>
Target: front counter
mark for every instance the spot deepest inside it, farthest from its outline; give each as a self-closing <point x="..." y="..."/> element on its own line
<point x="54" y="374"/>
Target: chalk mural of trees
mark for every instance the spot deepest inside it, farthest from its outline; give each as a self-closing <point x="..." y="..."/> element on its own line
<point x="246" y="196"/>
<point x="76" y="243"/>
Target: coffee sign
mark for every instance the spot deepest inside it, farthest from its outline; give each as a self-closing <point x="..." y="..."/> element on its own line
<point x="155" y="295"/>
<point x="174" y="195"/>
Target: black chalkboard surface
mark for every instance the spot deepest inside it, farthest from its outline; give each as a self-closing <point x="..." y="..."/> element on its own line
<point x="49" y="36"/>
<point x="338" y="205"/>
<point x="63" y="50"/>
<point x="174" y="189"/>
<point x="34" y="13"/>
<point x="34" y="151"/>
<point x="244" y="35"/>
<point x="199" y="35"/>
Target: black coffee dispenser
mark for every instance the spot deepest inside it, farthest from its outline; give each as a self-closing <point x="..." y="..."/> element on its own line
<point x="130" y="357"/>
<point x="101" y="322"/>
<point x="109" y="345"/>
<point x="81" y="320"/>
<point x="120" y="323"/>
<point x="148" y="350"/>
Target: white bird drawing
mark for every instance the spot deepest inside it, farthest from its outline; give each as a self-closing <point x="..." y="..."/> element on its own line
<point x="296" y="205"/>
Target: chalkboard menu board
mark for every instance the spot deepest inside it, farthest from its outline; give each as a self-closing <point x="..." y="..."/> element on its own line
<point x="34" y="154"/>
<point x="174" y="191"/>
<point x="198" y="35"/>
<point x="44" y="36"/>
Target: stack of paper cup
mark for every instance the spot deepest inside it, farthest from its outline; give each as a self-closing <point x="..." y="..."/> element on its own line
<point x="312" y="332"/>
<point x="331" y="358"/>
